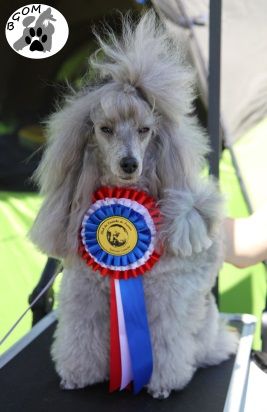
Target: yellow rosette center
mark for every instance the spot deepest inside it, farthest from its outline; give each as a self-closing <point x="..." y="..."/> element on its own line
<point x="117" y="235"/>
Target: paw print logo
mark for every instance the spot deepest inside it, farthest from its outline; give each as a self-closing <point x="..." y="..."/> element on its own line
<point x="37" y="31"/>
<point x="42" y="32"/>
<point x="37" y="43"/>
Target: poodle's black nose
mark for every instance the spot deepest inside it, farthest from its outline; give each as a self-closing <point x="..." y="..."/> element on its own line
<point x="129" y="164"/>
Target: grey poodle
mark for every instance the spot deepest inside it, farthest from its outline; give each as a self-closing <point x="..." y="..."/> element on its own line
<point x="134" y="127"/>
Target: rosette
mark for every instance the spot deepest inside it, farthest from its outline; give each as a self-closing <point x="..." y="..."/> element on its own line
<point x="117" y="238"/>
<point x="118" y="233"/>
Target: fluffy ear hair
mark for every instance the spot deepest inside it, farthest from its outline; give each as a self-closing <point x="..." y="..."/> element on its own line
<point x="59" y="173"/>
<point x="176" y="156"/>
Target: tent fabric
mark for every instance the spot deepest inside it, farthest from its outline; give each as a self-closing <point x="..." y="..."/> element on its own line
<point x="244" y="56"/>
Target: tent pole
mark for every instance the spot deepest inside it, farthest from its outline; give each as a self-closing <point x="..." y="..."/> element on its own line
<point x="214" y="85"/>
<point x="214" y="128"/>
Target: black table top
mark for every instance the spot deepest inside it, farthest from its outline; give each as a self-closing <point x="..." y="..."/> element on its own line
<point x="29" y="383"/>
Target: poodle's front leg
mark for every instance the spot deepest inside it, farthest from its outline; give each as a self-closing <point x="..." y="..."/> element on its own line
<point x="173" y="367"/>
<point x="81" y="341"/>
<point x="191" y="219"/>
<point x="173" y="347"/>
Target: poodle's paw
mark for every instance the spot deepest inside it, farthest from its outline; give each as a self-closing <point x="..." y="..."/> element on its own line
<point x="159" y="393"/>
<point x="185" y="228"/>
<point x="189" y="237"/>
<point x="81" y="379"/>
<point x="68" y="385"/>
<point x="175" y="248"/>
<point x="225" y="346"/>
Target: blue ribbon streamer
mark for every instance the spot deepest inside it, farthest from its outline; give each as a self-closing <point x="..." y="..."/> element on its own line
<point x="133" y="302"/>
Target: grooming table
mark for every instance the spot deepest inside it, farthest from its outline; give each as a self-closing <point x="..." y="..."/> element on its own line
<point x="28" y="381"/>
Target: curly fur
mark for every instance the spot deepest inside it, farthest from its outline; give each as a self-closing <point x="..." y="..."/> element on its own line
<point x="141" y="81"/>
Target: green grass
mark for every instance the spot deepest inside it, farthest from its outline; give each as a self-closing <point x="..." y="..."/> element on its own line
<point x="20" y="262"/>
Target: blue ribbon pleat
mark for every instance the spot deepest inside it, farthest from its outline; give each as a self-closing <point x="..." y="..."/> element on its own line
<point x="137" y="329"/>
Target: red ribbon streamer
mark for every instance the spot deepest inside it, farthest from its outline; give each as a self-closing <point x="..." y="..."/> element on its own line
<point x="115" y="353"/>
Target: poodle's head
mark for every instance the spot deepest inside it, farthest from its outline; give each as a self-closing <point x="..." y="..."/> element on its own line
<point x="123" y="126"/>
<point x="131" y="127"/>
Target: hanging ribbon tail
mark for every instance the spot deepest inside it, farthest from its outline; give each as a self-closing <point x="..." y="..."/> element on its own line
<point x="133" y="302"/>
<point x="126" y="366"/>
<point x="115" y="355"/>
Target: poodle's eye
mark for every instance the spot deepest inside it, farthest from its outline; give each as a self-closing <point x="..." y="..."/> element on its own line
<point x="106" y="130"/>
<point x="143" y="130"/>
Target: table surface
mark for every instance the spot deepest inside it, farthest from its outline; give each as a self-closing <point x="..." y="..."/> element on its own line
<point x="29" y="383"/>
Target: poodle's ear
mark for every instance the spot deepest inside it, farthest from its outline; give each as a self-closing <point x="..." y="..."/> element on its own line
<point x="58" y="174"/>
<point x="179" y="149"/>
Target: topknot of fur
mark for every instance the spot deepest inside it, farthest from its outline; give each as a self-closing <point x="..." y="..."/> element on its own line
<point x="147" y="59"/>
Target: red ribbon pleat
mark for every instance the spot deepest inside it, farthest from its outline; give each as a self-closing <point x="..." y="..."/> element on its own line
<point x="140" y="196"/>
<point x="115" y="354"/>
